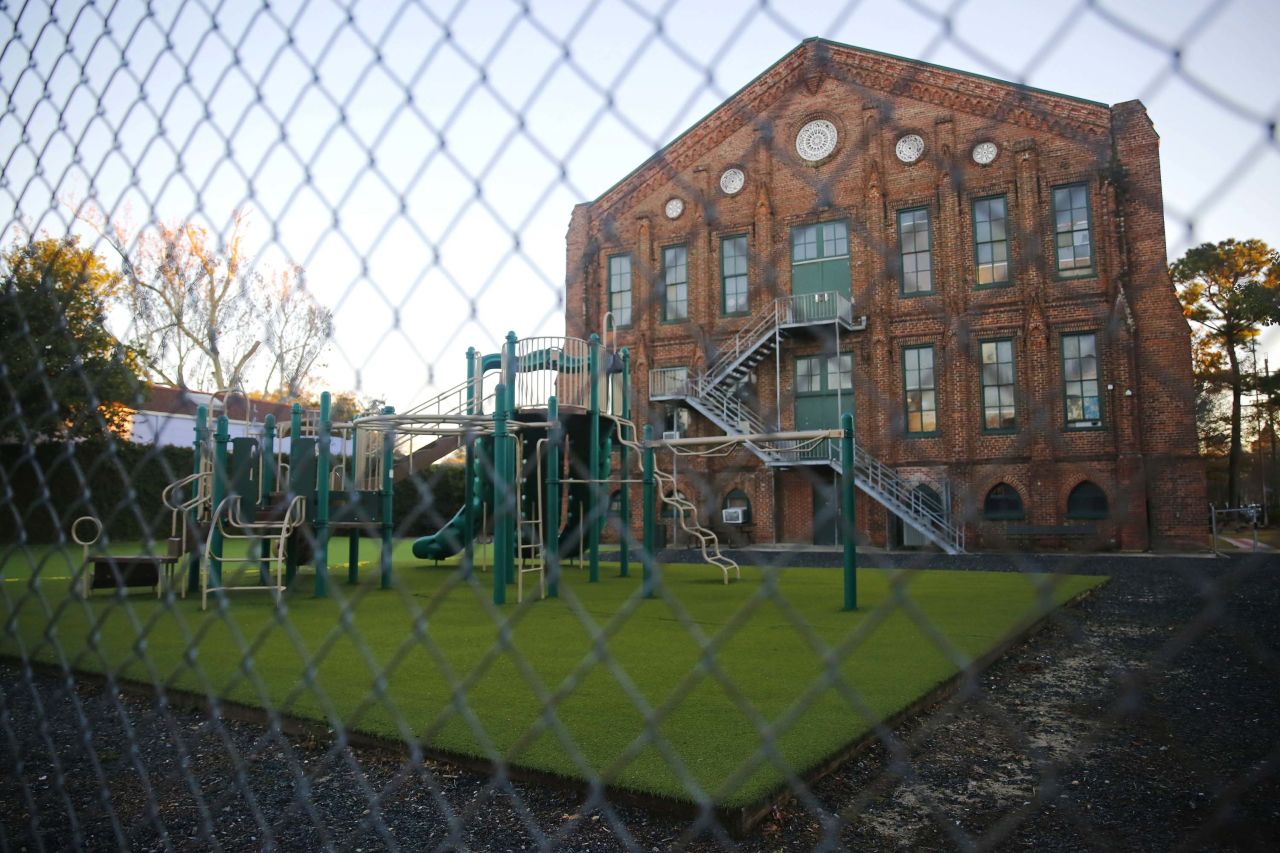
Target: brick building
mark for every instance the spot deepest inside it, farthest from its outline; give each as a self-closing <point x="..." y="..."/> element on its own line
<point x="976" y="269"/>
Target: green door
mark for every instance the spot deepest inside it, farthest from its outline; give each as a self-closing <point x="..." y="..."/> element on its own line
<point x="819" y="264"/>
<point x="824" y="390"/>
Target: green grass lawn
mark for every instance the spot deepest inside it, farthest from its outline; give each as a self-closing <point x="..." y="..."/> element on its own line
<point x="649" y="693"/>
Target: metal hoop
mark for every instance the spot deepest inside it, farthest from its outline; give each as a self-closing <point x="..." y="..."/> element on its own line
<point x="76" y="536"/>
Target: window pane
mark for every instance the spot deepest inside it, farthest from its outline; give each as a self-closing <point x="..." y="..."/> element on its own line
<point x="998" y="378"/>
<point x="991" y="247"/>
<point x="733" y="274"/>
<point x="920" y="398"/>
<point x="1080" y="380"/>
<point x="620" y="289"/>
<point x="915" y="250"/>
<point x="675" y="264"/>
<point x="1071" y="228"/>
<point x="804" y="243"/>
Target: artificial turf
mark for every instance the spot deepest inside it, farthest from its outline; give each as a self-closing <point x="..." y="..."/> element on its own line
<point x="681" y="696"/>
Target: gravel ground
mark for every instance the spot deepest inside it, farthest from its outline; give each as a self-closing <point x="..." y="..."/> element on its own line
<point x="1147" y="717"/>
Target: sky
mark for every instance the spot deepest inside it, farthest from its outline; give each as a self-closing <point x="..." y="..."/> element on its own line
<point x="421" y="159"/>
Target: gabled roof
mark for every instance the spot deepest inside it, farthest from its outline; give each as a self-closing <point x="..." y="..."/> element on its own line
<point x="877" y="73"/>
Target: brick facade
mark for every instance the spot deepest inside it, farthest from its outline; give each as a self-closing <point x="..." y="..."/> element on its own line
<point x="1142" y="455"/>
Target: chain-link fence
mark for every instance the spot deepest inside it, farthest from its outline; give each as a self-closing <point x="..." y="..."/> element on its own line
<point x="838" y="484"/>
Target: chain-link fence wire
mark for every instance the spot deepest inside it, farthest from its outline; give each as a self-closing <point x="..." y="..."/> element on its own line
<point x="374" y="148"/>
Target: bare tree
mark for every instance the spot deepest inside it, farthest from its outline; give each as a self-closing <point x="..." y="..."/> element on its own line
<point x="201" y="312"/>
<point x="297" y="332"/>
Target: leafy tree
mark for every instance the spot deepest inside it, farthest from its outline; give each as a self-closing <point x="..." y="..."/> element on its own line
<point x="1230" y="289"/>
<point x="62" y="374"/>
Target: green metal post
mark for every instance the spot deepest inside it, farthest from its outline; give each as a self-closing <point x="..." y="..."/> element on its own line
<point x="291" y="547"/>
<point x="202" y="438"/>
<point x="847" y="513"/>
<point x="469" y="473"/>
<point x="511" y="371"/>
<point x="220" y="439"/>
<point x="268" y="458"/>
<point x="353" y="556"/>
<point x="388" y="493"/>
<point x="322" y="497"/>
<point x="593" y="514"/>
<point x="502" y="508"/>
<point x="551" y="520"/>
<point x="624" y="508"/>
<point x="648" y="552"/>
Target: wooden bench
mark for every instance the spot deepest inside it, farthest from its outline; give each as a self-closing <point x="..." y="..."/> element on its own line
<point x="110" y="572"/>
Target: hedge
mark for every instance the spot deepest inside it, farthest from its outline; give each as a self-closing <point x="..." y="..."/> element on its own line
<point x="45" y="487"/>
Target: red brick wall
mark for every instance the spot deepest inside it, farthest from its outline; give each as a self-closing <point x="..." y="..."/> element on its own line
<point x="1144" y="457"/>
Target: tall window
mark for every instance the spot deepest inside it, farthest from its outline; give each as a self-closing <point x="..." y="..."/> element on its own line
<point x="1072" y="238"/>
<point x="620" y="289"/>
<point x="991" y="241"/>
<point x="733" y="275"/>
<point x="921" y="390"/>
<point x="675" y="268"/>
<point x="917" y="255"/>
<point x="1080" y="380"/>
<point x="998" y="407"/>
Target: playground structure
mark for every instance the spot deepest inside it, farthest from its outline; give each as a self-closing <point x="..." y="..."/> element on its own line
<point x="540" y="446"/>
<point x="539" y="464"/>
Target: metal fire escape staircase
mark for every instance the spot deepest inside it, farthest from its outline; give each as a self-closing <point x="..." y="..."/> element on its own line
<point x="713" y="394"/>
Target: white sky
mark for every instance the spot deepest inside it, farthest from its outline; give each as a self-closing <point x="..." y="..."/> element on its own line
<point x="421" y="163"/>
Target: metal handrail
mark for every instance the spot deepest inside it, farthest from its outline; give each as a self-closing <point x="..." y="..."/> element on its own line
<point x="795" y="309"/>
<point x="686" y="511"/>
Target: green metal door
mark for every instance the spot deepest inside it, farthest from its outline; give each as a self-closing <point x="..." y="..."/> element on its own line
<point x="820" y="258"/>
<point x="824" y="391"/>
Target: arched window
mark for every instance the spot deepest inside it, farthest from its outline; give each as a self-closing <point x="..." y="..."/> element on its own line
<point x="1087" y="500"/>
<point x="615" y="503"/>
<point x="1003" y="503"/>
<point x="737" y="499"/>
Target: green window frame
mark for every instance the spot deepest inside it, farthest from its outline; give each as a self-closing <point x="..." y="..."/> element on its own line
<point x="820" y="241"/>
<point x="675" y="276"/>
<point x="991" y="241"/>
<point x="824" y="374"/>
<point x="809" y="374"/>
<point x="733" y="275"/>
<point x="999" y="386"/>
<point x="1072" y="231"/>
<point x="1081" y="395"/>
<point x="620" y="289"/>
<point x="915" y="248"/>
<point x="919" y="391"/>
<point x="1003" y="503"/>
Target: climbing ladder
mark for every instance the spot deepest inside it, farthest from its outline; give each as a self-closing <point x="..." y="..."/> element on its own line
<point x="530" y="558"/>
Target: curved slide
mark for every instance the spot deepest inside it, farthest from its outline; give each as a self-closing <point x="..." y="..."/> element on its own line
<point x="448" y="540"/>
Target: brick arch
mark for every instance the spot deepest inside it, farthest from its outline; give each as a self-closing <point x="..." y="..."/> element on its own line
<point x="979" y="505"/>
<point x="1074" y="475"/>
